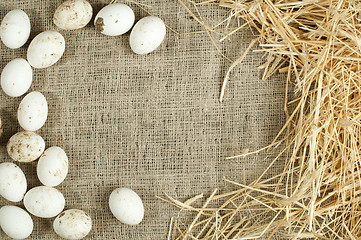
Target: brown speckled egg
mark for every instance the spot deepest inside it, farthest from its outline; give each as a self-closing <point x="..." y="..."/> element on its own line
<point x="13" y="183"/>
<point x="73" y="14"/>
<point x="72" y="224"/>
<point x="25" y="146"/>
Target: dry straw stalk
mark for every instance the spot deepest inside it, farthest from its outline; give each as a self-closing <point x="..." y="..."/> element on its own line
<point x="318" y="194"/>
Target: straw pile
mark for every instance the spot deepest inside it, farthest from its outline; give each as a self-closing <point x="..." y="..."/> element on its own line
<point x="318" y="43"/>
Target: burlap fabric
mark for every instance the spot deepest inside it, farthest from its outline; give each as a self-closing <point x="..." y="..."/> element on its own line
<point x="151" y="123"/>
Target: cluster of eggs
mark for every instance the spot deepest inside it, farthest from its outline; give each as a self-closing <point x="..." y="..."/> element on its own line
<point x="28" y="146"/>
<point x="113" y="20"/>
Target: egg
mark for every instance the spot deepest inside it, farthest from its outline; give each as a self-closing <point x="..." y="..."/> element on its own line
<point x="16" y="222"/>
<point x="114" y="19"/>
<point x="13" y="183"/>
<point x="126" y="206"/>
<point x="44" y="202"/>
<point x="46" y="49"/>
<point x="147" y="35"/>
<point x="72" y="224"/>
<point x="15" y="29"/>
<point x="33" y="111"/>
<point x="73" y="14"/>
<point x="52" y="166"/>
<point x="16" y="77"/>
<point x="25" y="146"/>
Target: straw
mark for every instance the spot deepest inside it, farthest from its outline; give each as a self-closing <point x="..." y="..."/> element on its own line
<point x="318" y="194"/>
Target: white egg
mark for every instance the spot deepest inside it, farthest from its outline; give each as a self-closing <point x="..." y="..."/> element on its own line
<point x="46" y="49"/>
<point x="16" y="77"/>
<point x="126" y="206"/>
<point x="15" y="29"/>
<point x="52" y="166"/>
<point x="73" y="14"/>
<point x="25" y="146"/>
<point x="33" y="111"/>
<point x="72" y="224"/>
<point x="114" y="19"/>
<point x="44" y="202"/>
<point x="16" y="222"/>
<point x="147" y="35"/>
<point x="12" y="182"/>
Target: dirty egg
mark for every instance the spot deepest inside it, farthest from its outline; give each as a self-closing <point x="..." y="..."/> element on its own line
<point x="126" y="206"/>
<point x="147" y="35"/>
<point x="114" y="19"/>
<point x="72" y="224"/>
<point x="16" y="222"/>
<point x="13" y="183"/>
<point x="52" y="167"/>
<point x="44" y="202"/>
<point x="33" y="111"/>
<point x="25" y="146"/>
<point x="15" y="29"/>
<point x="46" y="49"/>
<point x="16" y="77"/>
<point x="73" y="14"/>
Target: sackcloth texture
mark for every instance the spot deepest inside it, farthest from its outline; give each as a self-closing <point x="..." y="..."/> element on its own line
<point x="150" y="123"/>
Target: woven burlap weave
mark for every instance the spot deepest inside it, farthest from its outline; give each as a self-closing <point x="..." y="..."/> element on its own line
<point x="151" y="123"/>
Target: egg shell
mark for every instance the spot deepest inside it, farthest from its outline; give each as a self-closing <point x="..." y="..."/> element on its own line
<point x="25" y="146"/>
<point x="114" y="19"/>
<point x="16" y="77"/>
<point x="52" y="166"/>
<point x="15" y="29"/>
<point x="72" y="224"/>
<point x="147" y="35"/>
<point x="16" y="222"/>
<point x="73" y="14"/>
<point x="33" y="111"/>
<point x="46" y="49"/>
<point x="13" y="183"/>
<point x="126" y="206"/>
<point x="44" y="202"/>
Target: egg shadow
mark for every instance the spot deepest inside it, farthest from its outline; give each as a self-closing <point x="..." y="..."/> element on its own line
<point x="29" y="170"/>
<point x="39" y="80"/>
<point x="8" y="118"/>
<point x="54" y="115"/>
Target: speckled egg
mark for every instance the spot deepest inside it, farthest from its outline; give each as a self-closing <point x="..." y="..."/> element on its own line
<point x="13" y="183"/>
<point x="73" y="14"/>
<point x="15" y="29"/>
<point x="16" y="77"/>
<point x="114" y="19"/>
<point x="33" y="111"/>
<point x="52" y="166"/>
<point x="72" y="224"/>
<point x="147" y="35"/>
<point x="44" y="202"/>
<point x="46" y="49"/>
<point x="25" y="146"/>
<point x="16" y="222"/>
<point x="126" y="206"/>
